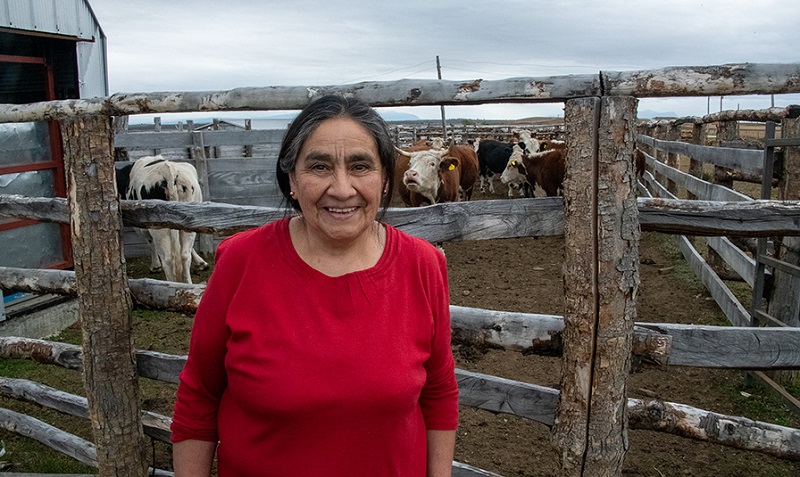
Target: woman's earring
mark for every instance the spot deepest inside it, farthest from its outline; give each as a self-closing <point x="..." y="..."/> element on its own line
<point x="291" y="194"/>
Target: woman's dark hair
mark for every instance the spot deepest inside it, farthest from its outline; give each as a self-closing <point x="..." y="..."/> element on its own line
<point x="309" y="119"/>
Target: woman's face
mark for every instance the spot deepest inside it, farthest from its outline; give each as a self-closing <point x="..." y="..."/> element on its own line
<point x="338" y="181"/>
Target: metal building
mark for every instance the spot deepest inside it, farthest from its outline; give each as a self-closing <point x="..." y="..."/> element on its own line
<point x="49" y="50"/>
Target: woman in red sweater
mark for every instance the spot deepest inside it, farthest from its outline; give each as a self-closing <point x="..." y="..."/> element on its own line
<point x="322" y="343"/>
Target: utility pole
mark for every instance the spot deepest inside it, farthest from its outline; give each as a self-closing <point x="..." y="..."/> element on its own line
<point x="439" y="74"/>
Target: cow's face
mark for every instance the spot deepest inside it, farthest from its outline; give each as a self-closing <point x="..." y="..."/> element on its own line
<point x="514" y="173"/>
<point x="422" y="175"/>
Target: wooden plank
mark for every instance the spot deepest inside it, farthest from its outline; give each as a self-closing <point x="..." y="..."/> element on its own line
<point x="79" y="449"/>
<point x="730" y="347"/>
<point x="701" y="189"/>
<point x="739" y="261"/>
<point x="719" y="80"/>
<point x="243" y="164"/>
<point x="746" y="160"/>
<point x="465" y="470"/>
<point x="746" y="78"/>
<point x="792" y="402"/>
<point x="475" y="220"/>
<point x="496" y="394"/>
<point x="155" y="425"/>
<point x="727" y="301"/>
<point x="179" y="139"/>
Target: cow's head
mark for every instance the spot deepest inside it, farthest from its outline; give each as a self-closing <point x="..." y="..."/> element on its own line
<point x="424" y="171"/>
<point x="514" y="173"/>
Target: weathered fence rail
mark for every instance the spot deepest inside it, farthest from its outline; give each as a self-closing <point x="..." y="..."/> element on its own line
<point x="721" y="80"/>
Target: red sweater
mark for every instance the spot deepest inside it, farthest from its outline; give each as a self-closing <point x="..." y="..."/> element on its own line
<point x="300" y="374"/>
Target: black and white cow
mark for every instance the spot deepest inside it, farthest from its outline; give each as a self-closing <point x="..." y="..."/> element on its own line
<point x="153" y="177"/>
<point x="492" y="159"/>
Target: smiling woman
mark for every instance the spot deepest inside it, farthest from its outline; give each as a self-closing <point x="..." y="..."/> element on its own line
<point x="341" y="320"/>
<point x="338" y="182"/>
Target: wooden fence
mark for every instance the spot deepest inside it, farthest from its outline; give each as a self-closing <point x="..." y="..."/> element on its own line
<point x="600" y="226"/>
<point x="778" y="287"/>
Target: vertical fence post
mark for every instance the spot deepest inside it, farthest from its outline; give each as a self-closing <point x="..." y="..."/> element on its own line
<point x="673" y="133"/>
<point x="248" y="148"/>
<point x="601" y="279"/>
<point x="727" y="131"/>
<point x="157" y="128"/>
<point x="695" y="166"/>
<point x="104" y="302"/>
<point x="205" y="242"/>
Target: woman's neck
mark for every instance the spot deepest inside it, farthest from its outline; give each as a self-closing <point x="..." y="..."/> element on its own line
<point x="337" y="259"/>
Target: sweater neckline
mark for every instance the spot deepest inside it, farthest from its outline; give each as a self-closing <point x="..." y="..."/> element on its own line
<point x="294" y="259"/>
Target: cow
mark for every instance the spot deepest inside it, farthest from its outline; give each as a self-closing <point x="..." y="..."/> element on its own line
<point x="548" y="144"/>
<point x="429" y="176"/>
<point x="513" y="177"/>
<point x="525" y="136"/>
<point x="417" y="177"/>
<point x="468" y="168"/>
<point x="543" y="168"/>
<point x="492" y="159"/>
<point x="153" y="177"/>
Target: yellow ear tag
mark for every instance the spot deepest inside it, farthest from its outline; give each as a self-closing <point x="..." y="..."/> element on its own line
<point x="514" y="163"/>
<point x="451" y="167"/>
<point x="544" y="146"/>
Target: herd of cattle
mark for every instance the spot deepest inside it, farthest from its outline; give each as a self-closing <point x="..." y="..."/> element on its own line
<point x="429" y="172"/>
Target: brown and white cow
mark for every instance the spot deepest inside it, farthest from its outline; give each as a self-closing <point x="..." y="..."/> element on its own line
<point x="545" y="169"/>
<point x="436" y="175"/>
<point x="429" y="177"/>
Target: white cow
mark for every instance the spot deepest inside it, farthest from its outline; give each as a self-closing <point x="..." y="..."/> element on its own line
<point x="153" y="177"/>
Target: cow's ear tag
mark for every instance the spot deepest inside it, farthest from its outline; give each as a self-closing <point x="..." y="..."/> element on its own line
<point x="514" y="163"/>
<point x="451" y="167"/>
<point x="544" y="146"/>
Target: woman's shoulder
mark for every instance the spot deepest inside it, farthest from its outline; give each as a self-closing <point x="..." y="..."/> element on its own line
<point x="410" y="247"/>
<point x="242" y="244"/>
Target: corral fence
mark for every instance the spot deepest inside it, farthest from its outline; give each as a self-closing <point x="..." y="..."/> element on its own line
<point x="768" y="265"/>
<point x="599" y="217"/>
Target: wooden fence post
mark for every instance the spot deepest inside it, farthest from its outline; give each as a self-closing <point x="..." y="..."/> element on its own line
<point x="699" y="131"/>
<point x="205" y="242"/>
<point x="157" y="128"/>
<point x="601" y="279"/>
<point x="104" y="302"/>
<point x="727" y="131"/>
<point x="248" y="148"/>
<point x="673" y="133"/>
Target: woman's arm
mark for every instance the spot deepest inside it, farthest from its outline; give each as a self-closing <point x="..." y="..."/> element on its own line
<point x="441" y="446"/>
<point x="192" y="458"/>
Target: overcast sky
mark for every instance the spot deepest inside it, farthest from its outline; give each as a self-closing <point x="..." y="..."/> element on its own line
<point x="201" y="45"/>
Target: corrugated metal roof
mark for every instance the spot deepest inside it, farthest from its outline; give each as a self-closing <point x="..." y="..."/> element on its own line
<point x="73" y="18"/>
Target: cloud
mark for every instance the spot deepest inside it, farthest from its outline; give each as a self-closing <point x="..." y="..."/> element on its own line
<point x="204" y="45"/>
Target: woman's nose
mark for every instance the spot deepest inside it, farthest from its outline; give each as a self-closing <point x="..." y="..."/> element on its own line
<point x="341" y="184"/>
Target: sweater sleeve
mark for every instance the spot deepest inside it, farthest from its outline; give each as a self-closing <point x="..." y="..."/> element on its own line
<point x="203" y="378"/>
<point x="439" y="397"/>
